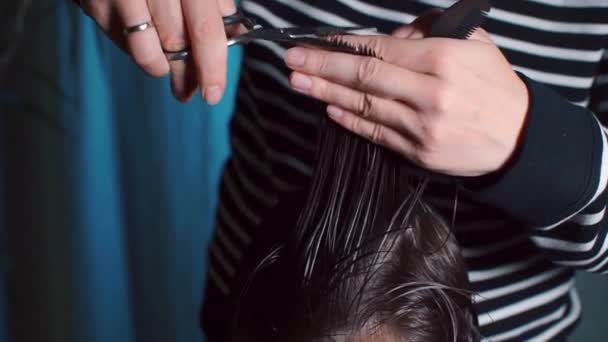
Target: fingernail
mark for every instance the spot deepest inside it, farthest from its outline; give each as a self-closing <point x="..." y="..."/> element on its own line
<point x="178" y="92"/>
<point x="301" y="82"/>
<point x="213" y="95"/>
<point x="334" y="111"/>
<point x="295" y="57"/>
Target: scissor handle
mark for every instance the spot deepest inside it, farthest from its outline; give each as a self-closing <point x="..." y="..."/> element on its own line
<point x="240" y="18"/>
<point x="237" y="18"/>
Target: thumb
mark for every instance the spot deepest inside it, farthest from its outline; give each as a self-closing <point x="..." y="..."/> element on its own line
<point x="420" y="27"/>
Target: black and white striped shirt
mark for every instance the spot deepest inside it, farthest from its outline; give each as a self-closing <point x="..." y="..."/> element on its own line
<point x="524" y="234"/>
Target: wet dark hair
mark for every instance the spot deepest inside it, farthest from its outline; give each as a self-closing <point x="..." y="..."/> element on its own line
<point x="368" y="259"/>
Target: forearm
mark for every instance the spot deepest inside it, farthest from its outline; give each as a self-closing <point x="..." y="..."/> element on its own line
<point x="556" y="182"/>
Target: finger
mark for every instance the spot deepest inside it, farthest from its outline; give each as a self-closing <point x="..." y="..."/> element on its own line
<point x="420" y="27"/>
<point x="393" y="114"/>
<point x="482" y="35"/>
<point x="429" y="55"/>
<point x="374" y="132"/>
<point x="226" y="7"/>
<point x="368" y="74"/>
<point x="103" y="14"/>
<point x="169" y="21"/>
<point x="209" y="46"/>
<point x="144" y="46"/>
<point x="183" y="79"/>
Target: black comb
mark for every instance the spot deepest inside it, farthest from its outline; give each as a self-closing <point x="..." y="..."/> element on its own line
<point x="338" y="43"/>
<point x="461" y="19"/>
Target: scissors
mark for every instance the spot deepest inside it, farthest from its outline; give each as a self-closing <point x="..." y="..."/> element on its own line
<point x="324" y="37"/>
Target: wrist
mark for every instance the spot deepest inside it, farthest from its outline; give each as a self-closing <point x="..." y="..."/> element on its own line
<point x="553" y="169"/>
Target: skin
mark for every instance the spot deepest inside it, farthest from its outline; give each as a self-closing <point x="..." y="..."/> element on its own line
<point x="368" y="334"/>
<point x="178" y="24"/>
<point x="450" y="106"/>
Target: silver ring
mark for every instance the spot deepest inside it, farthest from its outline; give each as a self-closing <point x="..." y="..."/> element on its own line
<point x="177" y="55"/>
<point x="138" y="28"/>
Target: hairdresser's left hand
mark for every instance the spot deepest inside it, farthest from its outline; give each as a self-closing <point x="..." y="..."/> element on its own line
<point x="450" y="106"/>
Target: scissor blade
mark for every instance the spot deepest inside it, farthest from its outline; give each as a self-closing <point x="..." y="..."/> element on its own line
<point x="323" y="31"/>
<point x="294" y="33"/>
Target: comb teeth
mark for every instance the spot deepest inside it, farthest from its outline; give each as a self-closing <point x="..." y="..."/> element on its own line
<point x="461" y="19"/>
<point x="337" y="42"/>
<point x="469" y="25"/>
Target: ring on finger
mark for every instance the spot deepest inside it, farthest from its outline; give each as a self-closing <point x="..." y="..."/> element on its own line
<point x="180" y="55"/>
<point x="138" y="28"/>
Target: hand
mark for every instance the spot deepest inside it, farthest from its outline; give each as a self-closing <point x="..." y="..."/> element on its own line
<point x="177" y="24"/>
<point x="450" y="106"/>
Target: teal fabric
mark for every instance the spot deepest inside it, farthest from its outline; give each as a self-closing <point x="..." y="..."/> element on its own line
<point x="109" y="188"/>
<point x="107" y="192"/>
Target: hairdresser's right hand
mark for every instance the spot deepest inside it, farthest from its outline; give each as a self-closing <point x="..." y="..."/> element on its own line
<point x="177" y="24"/>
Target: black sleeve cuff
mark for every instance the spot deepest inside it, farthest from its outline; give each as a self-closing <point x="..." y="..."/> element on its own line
<point x="555" y="170"/>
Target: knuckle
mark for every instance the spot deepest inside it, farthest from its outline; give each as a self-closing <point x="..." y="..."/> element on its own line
<point x="439" y="58"/>
<point x="320" y="64"/>
<point x="204" y="28"/>
<point x="432" y="134"/>
<point x="408" y="119"/>
<point x="441" y="100"/>
<point x="367" y="70"/>
<point x="366" y="105"/>
<point x="376" y="45"/>
<point x="356" y="126"/>
<point x="172" y="42"/>
<point x="377" y="134"/>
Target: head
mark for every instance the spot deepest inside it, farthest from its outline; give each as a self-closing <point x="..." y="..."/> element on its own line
<point x="367" y="261"/>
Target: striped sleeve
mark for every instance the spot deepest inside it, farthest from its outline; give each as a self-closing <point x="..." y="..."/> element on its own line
<point x="556" y="183"/>
<point x="599" y="92"/>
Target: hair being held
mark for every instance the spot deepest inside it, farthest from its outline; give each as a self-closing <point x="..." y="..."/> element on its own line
<point x="368" y="259"/>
